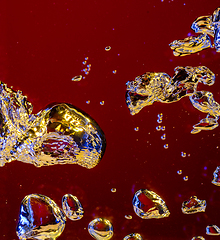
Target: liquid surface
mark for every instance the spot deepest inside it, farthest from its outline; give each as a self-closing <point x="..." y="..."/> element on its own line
<point x="100" y="229"/>
<point x="147" y="204"/>
<point x="72" y="207"/>
<point x="40" y="218"/>
<point x="60" y="134"/>
<point x="159" y="87"/>
<point x="193" y="205"/>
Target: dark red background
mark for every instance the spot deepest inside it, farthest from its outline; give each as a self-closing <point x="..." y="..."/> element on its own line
<point x="42" y="46"/>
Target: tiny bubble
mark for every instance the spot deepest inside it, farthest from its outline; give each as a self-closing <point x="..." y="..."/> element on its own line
<point x="102" y="103"/>
<point x="163" y="137"/>
<point x="183" y="154"/>
<point x="217" y="146"/>
<point x="86" y="72"/>
<point x="77" y="78"/>
<point x="86" y="58"/>
<point x="160" y="115"/>
<point x="88" y="102"/>
<point x="163" y="128"/>
<point x="129" y="217"/>
<point x="166" y="146"/>
<point x="185" y="178"/>
<point x="113" y="190"/>
<point x="179" y="172"/>
<point x="158" y="128"/>
<point x="108" y="48"/>
<point x="159" y="120"/>
<point x="114" y="71"/>
<point x="136" y="129"/>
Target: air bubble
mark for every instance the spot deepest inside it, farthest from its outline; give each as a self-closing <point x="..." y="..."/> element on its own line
<point x="113" y="190"/>
<point x="108" y="48"/>
<point x="179" y="172"/>
<point x="158" y="128"/>
<point x="193" y="205"/>
<point x="84" y="62"/>
<point x="86" y="58"/>
<point x="133" y="236"/>
<point x="136" y="129"/>
<point x="102" y="103"/>
<point x="166" y="146"/>
<point x="163" y="128"/>
<point x="216" y="176"/>
<point x="198" y="238"/>
<point x="100" y="229"/>
<point x="147" y="204"/>
<point x="186" y="178"/>
<point x="163" y="137"/>
<point x="183" y="154"/>
<point x="114" y="71"/>
<point x="129" y="217"/>
<point x="72" y="207"/>
<point x="213" y="230"/>
<point x="159" y="120"/>
<point x="77" y="78"/>
<point x="88" y="102"/>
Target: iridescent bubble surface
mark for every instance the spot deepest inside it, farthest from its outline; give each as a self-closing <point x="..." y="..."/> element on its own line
<point x="59" y="134"/>
<point x="72" y="207"/>
<point x="40" y="218"/>
<point x="147" y="204"/>
<point x="193" y="205"/>
<point x="133" y="236"/>
<point x="160" y="87"/>
<point x="100" y="229"/>
<point x="213" y="230"/>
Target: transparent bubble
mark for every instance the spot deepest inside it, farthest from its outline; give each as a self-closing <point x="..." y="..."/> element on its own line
<point x="183" y="154"/>
<point x="129" y="217"/>
<point x="40" y="218"/>
<point x="136" y="129"/>
<point x="193" y="205"/>
<point x="114" y="71"/>
<point x="212" y="230"/>
<point x="87" y="72"/>
<point x="100" y="229"/>
<point x="133" y="236"/>
<point x="159" y="120"/>
<point x="77" y="78"/>
<point x="72" y="207"/>
<point x="163" y="128"/>
<point x="84" y="62"/>
<point x="108" y="48"/>
<point x="163" y="137"/>
<point x="88" y="102"/>
<point x="147" y="204"/>
<point x="86" y="58"/>
<point x="216" y="176"/>
<point x="186" y="178"/>
<point x="166" y="146"/>
<point x="158" y="128"/>
<point x="113" y="190"/>
<point x="179" y="172"/>
<point x="198" y="238"/>
<point x="102" y="103"/>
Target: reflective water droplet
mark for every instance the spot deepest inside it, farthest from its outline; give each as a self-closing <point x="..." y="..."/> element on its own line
<point x="88" y="102"/>
<point x="183" y="154"/>
<point x="40" y="218"/>
<point x="136" y="129"/>
<point x="166" y="146"/>
<point x="108" y="48"/>
<point x="147" y="204"/>
<point x="114" y="71"/>
<point x="129" y="217"/>
<point x="163" y="128"/>
<point x="100" y="229"/>
<point x="163" y="137"/>
<point x="158" y="128"/>
<point x="186" y="178"/>
<point x="133" y="236"/>
<point x="77" y="78"/>
<point x="72" y="207"/>
<point x="216" y="176"/>
<point x="179" y="172"/>
<point x="198" y="238"/>
<point x="102" y="103"/>
<point x="212" y="230"/>
<point x="113" y="190"/>
<point x="193" y="205"/>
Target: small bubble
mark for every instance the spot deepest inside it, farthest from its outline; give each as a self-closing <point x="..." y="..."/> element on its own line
<point x="115" y="71"/>
<point x="113" y="190"/>
<point x="159" y="120"/>
<point x="86" y="58"/>
<point x="183" y="154"/>
<point x="129" y="217"/>
<point x="179" y="172"/>
<point x="86" y="72"/>
<point x="84" y="62"/>
<point x="163" y="137"/>
<point x="77" y="78"/>
<point x="158" y="128"/>
<point x="88" y="66"/>
<point x="160" y="115"/>
<point x="186" y="178"/>
<point x="166" y="146"/>
<point x="136" y="129"/>
<point x="88" y="102"/>
<point x="108" y="48"/>
<point x="163" y="128"/>
<point x="102" y="103"/>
